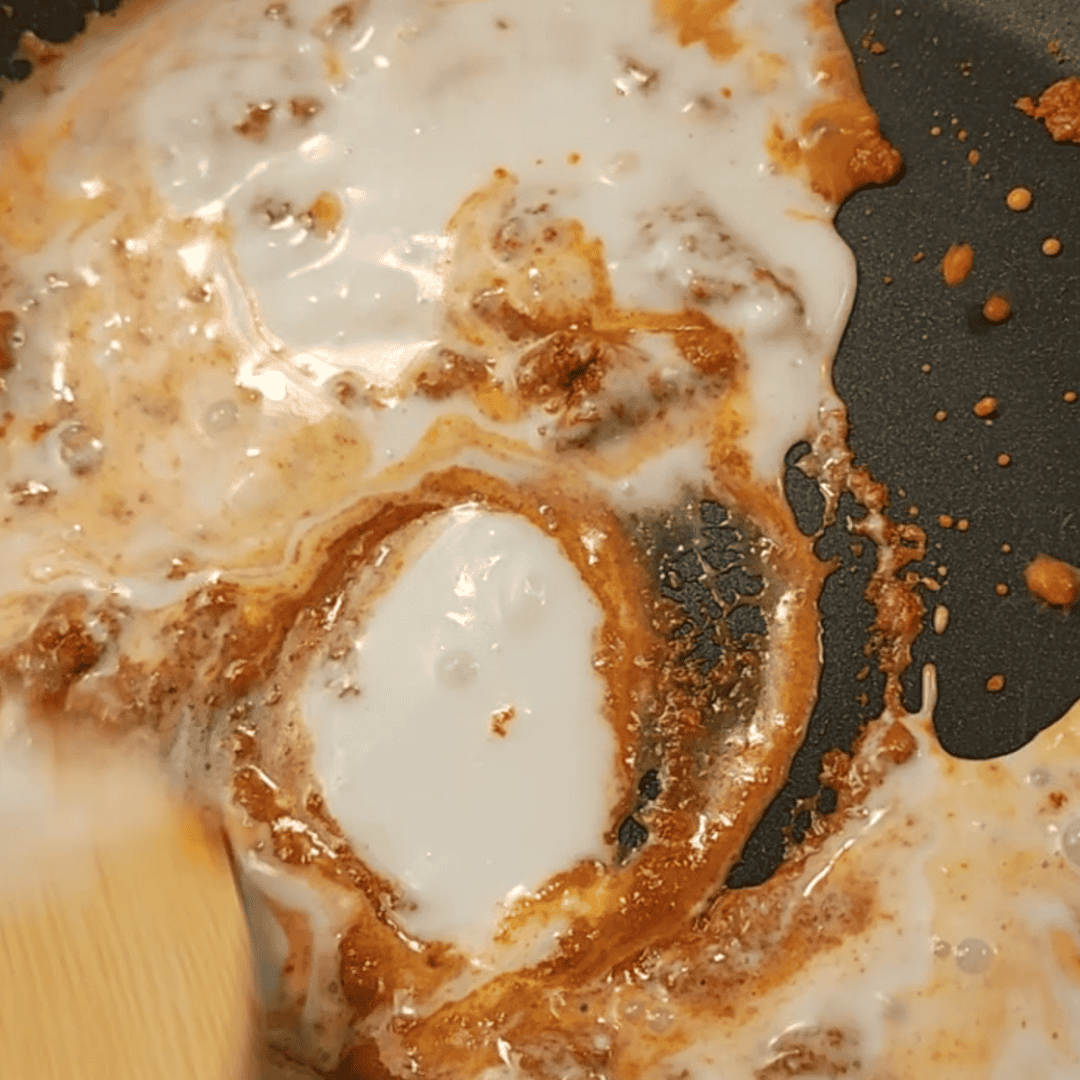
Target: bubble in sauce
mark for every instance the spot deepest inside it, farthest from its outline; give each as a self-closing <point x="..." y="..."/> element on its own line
<point x="1070" y="842"/>
<point x="221" y="416"/>
<point x="974" y="956"/>
<point x="80" y="450"/>
<point x="456" y="669"/>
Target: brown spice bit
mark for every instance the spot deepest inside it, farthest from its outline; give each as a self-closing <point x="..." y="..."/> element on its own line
<point x="940" y="415"/>
<point x="303" y="108"/>
<point x="918" y="256"/>
<point x="1019" y="199"/>
<point x="1001" y="589"/>
<point x="913" y="511"/>
<point x="995" y="683"/>
<point x="887" y="279"/>
<point x="256" y="124"/>
<point x="1059" y="108"/>
<point x="1054" y="581"/>
<point x="1004" y="460"/>
<point x="877" y="47"/>
<point x="325" y="214"/>
<point x="925" y="369"/>
<point x="941" y="619"/>
<point x="1051" y="246"/>
<point x="973" y="157"/>
<point x="1053" y="47"/>
<point x="8" y="326"/>
<point x="30" y="493"/>
<point x="501" y="719"/>
<point x="898" y="744"/>
<point x="963" y="524"/>
<point x="1006" y="547"/>
<point x="277" y="10"/>
<point x="957" y="263"/>
<point x="962" y="135"/>
<point x="573" y="159"/>
<point x="179" y="567"/>
<point x="997" y="309"/>
<point x="985" y="406"/>
<point x="1069" y="396"/>
<point x="945" y="521"/>
<point x="935" y="130"/>
<point x="340" y="17"/>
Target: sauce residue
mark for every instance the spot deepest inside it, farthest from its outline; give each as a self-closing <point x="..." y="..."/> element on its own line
<point x="1053" y="581"/>
<point x="1058" y="107"/>
<point x="957" y="263"/>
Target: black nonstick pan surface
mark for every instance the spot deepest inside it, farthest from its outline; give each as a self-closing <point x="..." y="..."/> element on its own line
<point x="943" y="85"/>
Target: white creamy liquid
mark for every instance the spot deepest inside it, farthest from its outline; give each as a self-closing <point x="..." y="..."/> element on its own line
<point x="462" y="742"/>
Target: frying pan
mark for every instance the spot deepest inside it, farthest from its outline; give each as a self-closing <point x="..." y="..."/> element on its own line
<point x="914" y="350"/>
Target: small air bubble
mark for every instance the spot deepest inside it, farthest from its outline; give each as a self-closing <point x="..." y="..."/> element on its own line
<point x="80" y="451"/>
<point x="974" y="956"/>
<point x="456" y="669"/>
<point x="1070" y="842"/>
<point x="221" y="416"/>
<point x="1039" y="777"/>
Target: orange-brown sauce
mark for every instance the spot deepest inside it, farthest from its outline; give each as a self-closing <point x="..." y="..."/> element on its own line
<point x="957" y="263"/>
<point x="1053" y="581"/>
<point x="1058" y="107"/>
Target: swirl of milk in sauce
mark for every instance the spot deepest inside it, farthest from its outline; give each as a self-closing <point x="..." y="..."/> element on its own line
<point x="300" y="259"/>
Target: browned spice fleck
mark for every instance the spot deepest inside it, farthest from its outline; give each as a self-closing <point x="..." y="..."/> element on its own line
<point x="962" y="135"/>
<point x="1069" y="396"/>
<point x="997" y="309"/>
<point x="1004" y="460"/>
<point x="1051" y="246"/>
<point x="957" y="263"/>
<point x="1054" y="581"/>
<point x="256" y="123"/>
<point x="1001" y="589"/>
<point x="325" y="214"/>
<point x="985" y="406"/>
<point x="8" y="324"/>
<point x="887" y="279"/>
<point x="995" y="683"/>
<point x="973" y="157"/>
<point x="940" y="415"/>
<point x="963" y="524"/>
<point x="1059" y="108"/>
<point x="501" y="719"/>
<point x="304" y="108"/>
<point x="1019" y="199"/>
<point x="945" y="521"/>
<point x="918" y="256"/>
<point x="935" y="130"/>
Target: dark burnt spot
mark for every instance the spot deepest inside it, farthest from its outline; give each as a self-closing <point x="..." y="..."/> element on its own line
<point x="632" y="834"/>
<point x="649" y="786"/>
